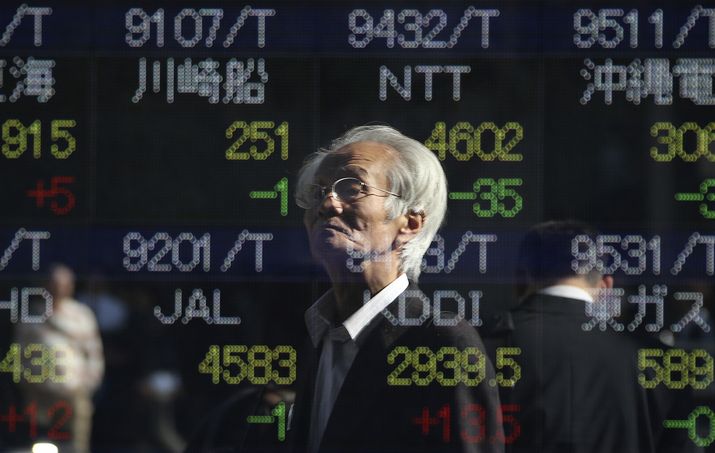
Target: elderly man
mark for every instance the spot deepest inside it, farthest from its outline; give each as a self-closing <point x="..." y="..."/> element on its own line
<point x="369" y="384"/>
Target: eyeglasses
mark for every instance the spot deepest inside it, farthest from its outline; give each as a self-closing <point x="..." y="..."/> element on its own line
<point x="344" y="189"/>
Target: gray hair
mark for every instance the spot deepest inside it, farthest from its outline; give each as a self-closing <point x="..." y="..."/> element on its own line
<point x="417" y="176"/>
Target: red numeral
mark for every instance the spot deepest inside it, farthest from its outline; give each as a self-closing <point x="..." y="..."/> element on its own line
<point x="62" y="200"/>
<point x="31" y="411"/>
<point x="445" y="413"/>
<point x="473" y="419"/>
<point x="468" y="434"/>
<point x="54" y="433"/>
<point x="508" y="420"/>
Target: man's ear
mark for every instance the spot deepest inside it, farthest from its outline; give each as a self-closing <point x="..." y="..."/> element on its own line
<point x="411" y="227"/>
<point x="606" y="282"/>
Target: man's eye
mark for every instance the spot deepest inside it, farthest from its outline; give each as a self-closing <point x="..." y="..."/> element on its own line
<point x="350" y="190"/>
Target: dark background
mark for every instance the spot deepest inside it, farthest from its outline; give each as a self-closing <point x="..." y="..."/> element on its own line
<point x="153" y="166"/>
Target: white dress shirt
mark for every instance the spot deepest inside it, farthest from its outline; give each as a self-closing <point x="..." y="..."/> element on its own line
<point x="339" y="349"/>
<point x="568" y="292"/>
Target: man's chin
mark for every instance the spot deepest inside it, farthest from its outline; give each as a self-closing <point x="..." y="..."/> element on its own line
<point x="332" y="242"/>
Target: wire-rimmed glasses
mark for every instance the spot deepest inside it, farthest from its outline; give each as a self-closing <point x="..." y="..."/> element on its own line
<point x="344" y="189"/>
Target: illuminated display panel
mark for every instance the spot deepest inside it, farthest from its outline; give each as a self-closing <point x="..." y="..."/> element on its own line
<point x="154" y="150"/>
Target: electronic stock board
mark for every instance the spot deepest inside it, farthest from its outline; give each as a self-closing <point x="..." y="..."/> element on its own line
<point x="153" y="147"/>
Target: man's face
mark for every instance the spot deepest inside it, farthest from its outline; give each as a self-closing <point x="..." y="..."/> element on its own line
<point x="335" y="226"/>
<point x="61" y="283"/>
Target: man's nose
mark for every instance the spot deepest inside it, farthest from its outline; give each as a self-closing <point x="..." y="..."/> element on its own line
<point x="330" y="205"/>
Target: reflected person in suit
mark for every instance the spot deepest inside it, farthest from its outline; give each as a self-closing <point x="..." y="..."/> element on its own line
<point x="579" y="390"/>
<point x="382" y="196"/>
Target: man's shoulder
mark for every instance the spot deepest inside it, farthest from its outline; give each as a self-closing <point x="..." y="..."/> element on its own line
<point x="561" y="323"/>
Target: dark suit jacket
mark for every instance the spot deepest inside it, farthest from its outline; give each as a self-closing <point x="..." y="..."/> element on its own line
<point x="371" y="416"/>
<point x="579" y="390"/>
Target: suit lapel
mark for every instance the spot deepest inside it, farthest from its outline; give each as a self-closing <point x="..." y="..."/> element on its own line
<point x="366" y="382"/>
<point x="359" y="393"/>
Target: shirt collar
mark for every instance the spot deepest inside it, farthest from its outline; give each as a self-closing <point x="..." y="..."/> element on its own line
<point x="320" y="316"/>
<point x="568" y="292"/>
